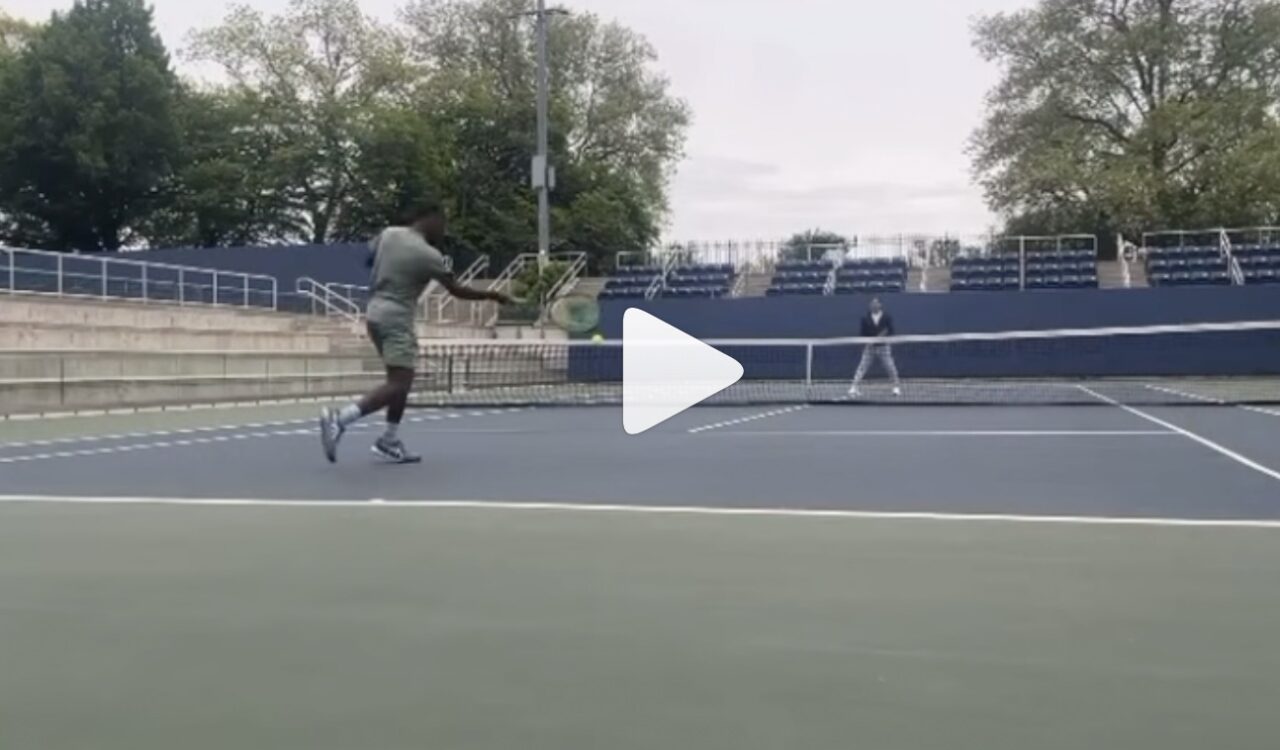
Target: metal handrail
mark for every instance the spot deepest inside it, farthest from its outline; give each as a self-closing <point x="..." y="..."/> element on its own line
<point x="146" y="282"/>
<point x="334" y="303"/>
<point x="571" y="275"/>
<point x="514" y="269"/>
<point x="1233" y="266"/>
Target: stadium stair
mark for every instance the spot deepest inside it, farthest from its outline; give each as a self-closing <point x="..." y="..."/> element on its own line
<point x="1111" y="275"/>
<point x="936" y="279"/>
<point x="59" y="354"/>
<point x="589" y="286"/>
<point x="756" y="283"/>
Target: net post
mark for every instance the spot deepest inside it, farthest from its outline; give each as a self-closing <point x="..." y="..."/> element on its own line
<point x="808" y="369"/>
<point x="59" y="275"/>
<point x="215" y="288"/>
<point x="13" y="285"/>
<point x="246" y="291"/>
<point x="105" y="279"/>
<point x="182" y="287"/>
<point x="144" y="283"/>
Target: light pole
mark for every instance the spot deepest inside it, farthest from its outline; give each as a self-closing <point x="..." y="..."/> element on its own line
<point x="544" y="174"/>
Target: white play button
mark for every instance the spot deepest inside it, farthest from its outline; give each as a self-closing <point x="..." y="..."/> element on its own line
<point x="665" y="371"/>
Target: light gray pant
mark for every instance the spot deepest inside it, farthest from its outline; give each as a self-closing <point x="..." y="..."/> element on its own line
<point x="872" y="352"/>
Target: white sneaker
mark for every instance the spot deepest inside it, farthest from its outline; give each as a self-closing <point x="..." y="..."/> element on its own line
<point x="897" y="391"/>
<point x="854" y="392"/>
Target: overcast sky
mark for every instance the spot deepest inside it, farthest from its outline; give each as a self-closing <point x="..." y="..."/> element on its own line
<point x="843" y="114"/>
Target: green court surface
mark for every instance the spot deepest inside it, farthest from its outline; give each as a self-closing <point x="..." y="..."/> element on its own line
<point x="137" y="627"/>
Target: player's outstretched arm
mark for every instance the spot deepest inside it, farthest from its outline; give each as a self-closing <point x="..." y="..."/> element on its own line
<point x="468" y="293"/>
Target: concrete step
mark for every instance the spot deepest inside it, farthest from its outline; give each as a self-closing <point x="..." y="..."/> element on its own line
<point x="36" y="397"/>
<point x="1111" y="275"/>
<point x="66" y="337"/>
<point x="39" y="365"/>
<point x="589" y="286"/>
<point x="756" y="284"/>
<point x="933" y="280"/>
<point x="22" y="309"/>
<point x="34" y="382"/>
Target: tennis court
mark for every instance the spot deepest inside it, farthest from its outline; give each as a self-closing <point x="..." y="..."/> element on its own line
<point x="752" y="576"/>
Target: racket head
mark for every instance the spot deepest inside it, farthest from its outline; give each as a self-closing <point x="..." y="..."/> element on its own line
<point x="575" y="313"/>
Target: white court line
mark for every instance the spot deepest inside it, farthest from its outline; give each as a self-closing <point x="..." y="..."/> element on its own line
<point x="1184" y="394"/>
<point x="159" y="440"/>
<point x="747" y="419"/>
<point x="381" y="505"/>
<point x="1206" y="442"/>
<point x="1218" y="402"/>
<point x="950" y="433"/>
<point x="152" y="434"/>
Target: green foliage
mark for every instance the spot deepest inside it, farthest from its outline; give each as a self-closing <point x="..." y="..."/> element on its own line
<point x="1124" y="116"/>
<point x="807" y="245"/>
<point x="328" y="125"/>
<point x="224" y="191"/>
<point x="534" y="283"/>
<point x="87" y="133"/>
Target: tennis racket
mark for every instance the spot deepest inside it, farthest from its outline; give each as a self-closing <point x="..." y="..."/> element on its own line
<point x="574" y="313"/>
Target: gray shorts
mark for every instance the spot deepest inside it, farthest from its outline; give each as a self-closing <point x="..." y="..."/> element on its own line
<point x="395" y="338"/>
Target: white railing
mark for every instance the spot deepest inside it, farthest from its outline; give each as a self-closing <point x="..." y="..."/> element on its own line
<point x="490" y="312"/>
<point x="571" y="275"/>
<point x="656" y="286"/>
<point x="1233" y="266"/>
<point x="109" y="277"/>
<point x="329" y="300"/>
<point x="1127" y="253"/>
<point x="564" y="284"/>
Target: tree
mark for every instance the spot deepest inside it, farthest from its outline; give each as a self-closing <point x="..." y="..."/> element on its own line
<point x="616" y="131"/>
<point x="223" y="191"/>
<point x="317" y="76"/>
<point x="87" y="132"/>
<point x="15" y="35"/>
<point x="1130" y="114"/>
<point x="810" y="245"/>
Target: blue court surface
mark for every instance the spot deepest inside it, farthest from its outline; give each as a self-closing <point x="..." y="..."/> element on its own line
<point x="740" y="577"/>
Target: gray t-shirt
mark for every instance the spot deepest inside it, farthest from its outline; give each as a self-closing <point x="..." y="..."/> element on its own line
<point x="403" y="265"/>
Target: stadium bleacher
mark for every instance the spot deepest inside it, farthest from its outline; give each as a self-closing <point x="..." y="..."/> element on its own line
<point x="692" y="281"/>
<point x="1259" y="264"/>
<point x="862" y="275"/>
<point x="1063" y="269"/>
<point x="792" y="278"/>
<point x="1067" y="269"/>
<point x="631" y="282"/>
<point x="699" y="280"/>
<point x="1200" y="265"/>
<point x="998" y="273"/>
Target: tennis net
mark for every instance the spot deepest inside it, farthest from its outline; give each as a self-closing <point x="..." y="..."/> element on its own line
<point x="1223" y="363"/>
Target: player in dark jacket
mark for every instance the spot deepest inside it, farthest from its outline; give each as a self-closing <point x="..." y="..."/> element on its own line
<point x="876" y="324"/>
